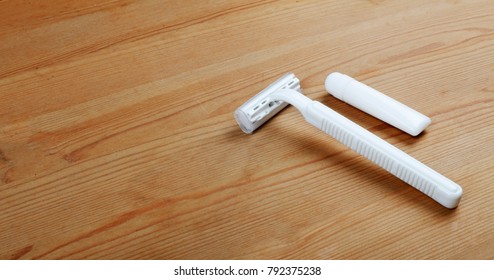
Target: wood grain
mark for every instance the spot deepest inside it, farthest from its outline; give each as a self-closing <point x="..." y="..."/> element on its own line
<point x="117" y="139"/>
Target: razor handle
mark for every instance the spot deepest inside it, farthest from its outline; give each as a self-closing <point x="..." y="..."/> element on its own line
<point x="387" y="156"/>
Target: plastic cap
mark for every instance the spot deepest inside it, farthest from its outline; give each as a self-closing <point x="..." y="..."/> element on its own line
<point x="376" y="103"/>
<point x="335" y="84"/>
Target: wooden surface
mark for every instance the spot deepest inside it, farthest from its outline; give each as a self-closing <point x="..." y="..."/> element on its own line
<point x="118" y="141"/>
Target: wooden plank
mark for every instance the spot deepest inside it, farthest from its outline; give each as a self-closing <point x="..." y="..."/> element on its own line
<point x="117" y="138"/>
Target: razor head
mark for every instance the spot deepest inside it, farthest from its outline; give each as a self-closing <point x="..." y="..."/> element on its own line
<point x="260" y="108"/>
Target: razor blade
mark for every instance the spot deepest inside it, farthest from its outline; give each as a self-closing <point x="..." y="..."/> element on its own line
<point x="286" y="90"/>
<point x="260" y="108"/>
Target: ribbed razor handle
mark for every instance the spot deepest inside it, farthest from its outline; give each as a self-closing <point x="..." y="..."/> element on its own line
<point x="392" y="159"/>
<point x="382" y="159"/>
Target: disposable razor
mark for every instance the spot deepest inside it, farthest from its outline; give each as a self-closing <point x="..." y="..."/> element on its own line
<point x="286" y="90"/>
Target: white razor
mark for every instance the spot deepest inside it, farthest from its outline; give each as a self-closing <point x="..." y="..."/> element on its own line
<point x="286" y="90"/>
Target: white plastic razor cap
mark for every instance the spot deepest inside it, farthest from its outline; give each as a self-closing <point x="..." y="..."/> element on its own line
<point x="376" y="103"/>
